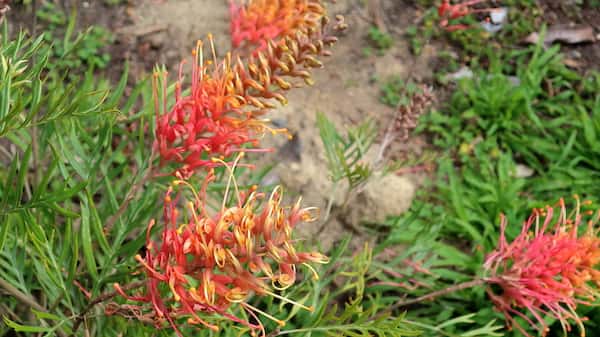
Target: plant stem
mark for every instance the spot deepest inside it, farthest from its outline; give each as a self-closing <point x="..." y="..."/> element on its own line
<point x="428" y="327"/>
<point x="319" y="328"/>
<point x="442" y="292"/>
<point x="432" y="295"/>
<point x="100" y="299"/>
<point x="131" y="195"/>
<point x="25" y="299"/>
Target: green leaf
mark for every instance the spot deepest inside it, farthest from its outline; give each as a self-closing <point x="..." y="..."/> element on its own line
<point x="45" y="315"/>
<point x="26" y="328"/>
<point x="589" y="131"/>
<point x="86" y="240"/>
<point x="96" y="224"/>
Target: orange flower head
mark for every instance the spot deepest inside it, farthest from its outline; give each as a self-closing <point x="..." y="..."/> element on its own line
<point x="223" y="111"/>
<point x="211" y="120"/>
<point x="549" y="269"/>
<point x="210" y="264"/>
<point x="256" y="22"/>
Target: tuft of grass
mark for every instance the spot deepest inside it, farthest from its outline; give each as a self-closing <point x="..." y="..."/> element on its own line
<point x="379" y="40"/>
<point x="396" y="91"/>
<point x="73" y="50"/>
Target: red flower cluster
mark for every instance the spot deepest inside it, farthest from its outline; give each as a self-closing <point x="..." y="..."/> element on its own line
<point x="448" y="12"/>
<point x="548" y="269"/>
<point x="210" y="263"/>
<point x="211" y="121"/>
<point x="258" y="21"/>
<point x="222" y="113"/>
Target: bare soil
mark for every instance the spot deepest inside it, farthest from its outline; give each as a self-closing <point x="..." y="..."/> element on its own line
<point x="566" y="13"/>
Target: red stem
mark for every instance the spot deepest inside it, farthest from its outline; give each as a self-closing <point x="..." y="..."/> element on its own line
<point x="442" y="292"/>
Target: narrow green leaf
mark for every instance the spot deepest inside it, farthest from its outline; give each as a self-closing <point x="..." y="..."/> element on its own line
<point x="25" y="328"/>
<point x="6" y="222"/>
<point x="45" y="315"/>
<point x="86" y="241"/>
<point x="588" y="128"/>
<point x="97" y="227"/>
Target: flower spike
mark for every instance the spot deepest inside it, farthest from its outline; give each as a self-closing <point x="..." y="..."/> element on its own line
<point x="211" y="265"/>
<point x="222" y="112"/>
<point x="549" y="269"/>
<point x="256" y="22"/>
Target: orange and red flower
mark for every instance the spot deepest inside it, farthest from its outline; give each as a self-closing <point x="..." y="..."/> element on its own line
<point x="448" y="12"/>
<point x="550" y="268"/>
<point x="258" y="21"/>
<point x="209" y="263"/>
<point x="223" y="111"/>
<point x="208" y="122"/>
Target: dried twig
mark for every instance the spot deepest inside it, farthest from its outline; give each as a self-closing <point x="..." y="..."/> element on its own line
<point x="3" y="8"/>
<point x="142" y="31"/>
<point x="405" y="119"/>
<point x="431" y="296"/>
<point x="100" y="299"/>
<point x="26" y="299"/>
<point x="376" y="14"/>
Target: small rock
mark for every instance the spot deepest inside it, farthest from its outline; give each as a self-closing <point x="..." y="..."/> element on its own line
<point x="523" y="171"/>
<point x="575" y="54"/>
<point x="157" y="39"/>
<point x="498" y="16"/>
<point x="464" y="72"/>
<point x="382" y="196"/>
<point x="490" y="27"/>
<point x="569" y="34"/>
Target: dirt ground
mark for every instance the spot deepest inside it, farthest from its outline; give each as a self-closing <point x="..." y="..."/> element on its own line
<point x="564" y="13"/>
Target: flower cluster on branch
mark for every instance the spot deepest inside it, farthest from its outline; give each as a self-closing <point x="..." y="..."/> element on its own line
<point x="205" y="265"/>
<point x="260" y="21"/>
<point x="210" y="263"/>
<point x="223" y="111"/>
<point x="550" y="268"/>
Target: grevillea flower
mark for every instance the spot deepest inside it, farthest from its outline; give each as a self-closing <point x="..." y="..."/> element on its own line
<point x="258" y="21"/>
<point x="207" y="264"/>
<point x="550" y="268"/>
<point x="208" y="122"/>
<point x="448" y="12"/>
<point x="223" y="111"/>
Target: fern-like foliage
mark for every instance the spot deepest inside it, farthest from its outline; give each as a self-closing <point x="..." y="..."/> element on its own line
<point x="31" y="95"/>
<point x="65" y="173"/>
<point x="341" y="307"/>
<point x="345" y="152"/>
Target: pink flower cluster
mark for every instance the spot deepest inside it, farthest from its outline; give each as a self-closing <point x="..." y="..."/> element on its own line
<point x="222" y="112"/>
<point x="550" y="268"/>
<point x="204" y="264"/>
